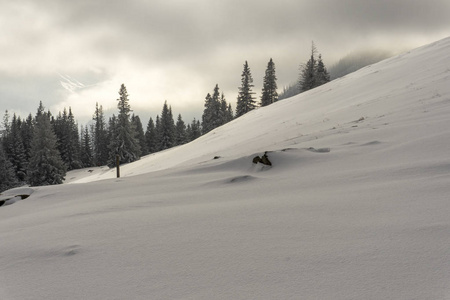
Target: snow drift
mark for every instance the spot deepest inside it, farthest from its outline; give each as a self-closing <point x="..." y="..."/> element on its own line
<point x="355" y="205"/>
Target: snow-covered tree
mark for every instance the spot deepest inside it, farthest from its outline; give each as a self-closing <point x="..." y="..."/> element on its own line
<point x="245" y="101"/>
<point x="269" y="91"/>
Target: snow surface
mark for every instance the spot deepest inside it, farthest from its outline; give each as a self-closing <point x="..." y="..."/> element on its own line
<point x="355" y="206"/>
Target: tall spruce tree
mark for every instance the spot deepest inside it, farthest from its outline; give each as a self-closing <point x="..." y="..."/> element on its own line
<point x="308" y="72"/>
<point x="8" y="179"/>
<point x="6" y="124"/>
<point x="151" y="137"/>
<point x="46" y="166"/>
<point x="167" y="128"/>
<point x="86" y="155"/>
<point x="14" y="149"/>
<point x="245" y="101"/>
<point x="123" y="142"/>
<point x="196" y="129"/>
<point x="100" y="137"/>
<point x="180" y="131"/>
<point x="226" y="111"/>
<point x="73" y="158"/>
<point x="207" y="114"/>
<point x="26" y="131"/>
<point x="313" y="73"/>
<point x="269" y="91"/>
<point x="213" y="116"/>
<point x="322" y="75"/>
<point x="140" y="135"/>
<point x="158" y="130"/>
<point x="68" y="138"/>
<point x="112" y="130"/>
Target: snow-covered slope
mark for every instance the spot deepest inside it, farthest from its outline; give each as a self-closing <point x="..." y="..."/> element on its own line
<point x="356" y="204"/>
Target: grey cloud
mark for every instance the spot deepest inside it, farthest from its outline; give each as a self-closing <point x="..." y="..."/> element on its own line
<point x="207" y="39"/>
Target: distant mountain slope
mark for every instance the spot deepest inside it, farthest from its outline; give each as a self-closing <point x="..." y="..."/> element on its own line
<point x="348" y="64"/>
<point x="355" y="61"/>
<point x="392" y="88"/>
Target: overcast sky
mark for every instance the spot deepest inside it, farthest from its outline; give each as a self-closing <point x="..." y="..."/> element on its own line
<point x="77" y="53"/>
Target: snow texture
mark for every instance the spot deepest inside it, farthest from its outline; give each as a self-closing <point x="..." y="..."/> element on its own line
<point x="355" y="205"/>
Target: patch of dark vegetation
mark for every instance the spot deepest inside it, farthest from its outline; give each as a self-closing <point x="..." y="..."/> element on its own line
<point x="263" y="160"/>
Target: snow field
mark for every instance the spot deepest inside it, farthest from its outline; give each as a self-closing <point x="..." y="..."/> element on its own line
<point x="355" y="205"/>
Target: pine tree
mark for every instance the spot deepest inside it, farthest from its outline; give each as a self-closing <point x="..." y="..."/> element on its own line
<point x="217" y="117"/>
<point x="212" y="114"/>
<point x="226" y="111"/>
<point x="68" y="139"/>
<point x="196" y="129"/>
<point x="14" y="149"/>
<point x="150" y="137"/>
<point x="322" y="75"/>
<point x="140" y="135"/>
<point x="269" y="91"/>
<point x="245" y="101"/>
<point x="8" y="179"/>
<point x="167" y="130"/>
<point x="40" y="111"/>
<point x="188" y="133"/>
<point x="308" y="73"/>
<point x="73" y="153"/>
<point x="158" y="131"/>
<point x="229" y="114"/>
<point x="86" y="156"/>
<point x="6" y="124"/>
<point x="112" y="129"/>
<point x="46" y="166"/>
<point x="100" y="137"/>
<point x="26" y="132"/>
<point x="180" y="131"/>
<point x="207" y="114"/>
<point x="124" y="142"/>
<point x="223" y="110"/>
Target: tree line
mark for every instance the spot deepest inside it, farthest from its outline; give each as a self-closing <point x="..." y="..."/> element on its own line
<point x="40" y="149"/>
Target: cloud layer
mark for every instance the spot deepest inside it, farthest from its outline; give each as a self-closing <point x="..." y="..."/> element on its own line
<point x="178" y="50"/>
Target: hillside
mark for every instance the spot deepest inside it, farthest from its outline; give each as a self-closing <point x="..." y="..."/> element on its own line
<point x="354" y="206"/>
